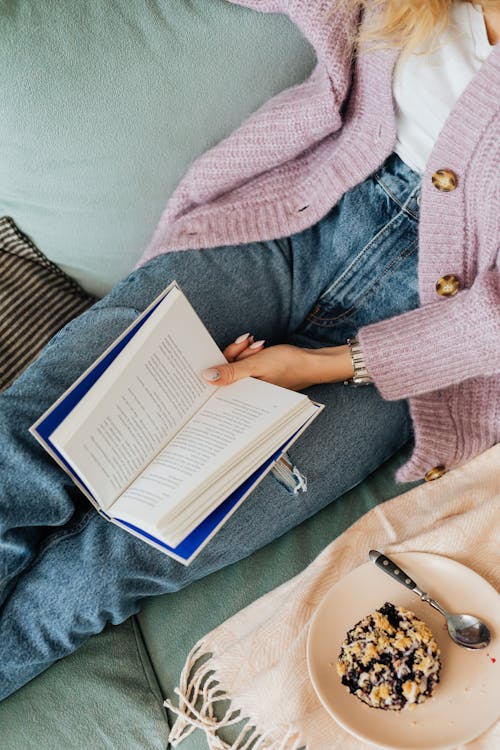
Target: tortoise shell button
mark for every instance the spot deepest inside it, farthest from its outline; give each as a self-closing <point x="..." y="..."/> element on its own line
<point x="444" y="180"/>
<point x="435" y="473"/>
<point x="447" y="286"/>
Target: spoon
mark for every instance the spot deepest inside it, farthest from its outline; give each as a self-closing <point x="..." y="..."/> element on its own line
<point x="466" y="630"/>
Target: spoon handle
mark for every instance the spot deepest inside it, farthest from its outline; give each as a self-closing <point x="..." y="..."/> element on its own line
<point x="390" y="567"/>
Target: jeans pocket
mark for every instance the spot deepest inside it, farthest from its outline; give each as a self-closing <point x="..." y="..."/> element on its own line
<point x="380" y="282"/>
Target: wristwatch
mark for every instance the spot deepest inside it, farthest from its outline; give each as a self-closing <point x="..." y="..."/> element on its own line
<point x="361" y="376"/>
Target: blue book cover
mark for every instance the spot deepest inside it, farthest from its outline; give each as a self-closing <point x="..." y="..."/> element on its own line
<point x="45" y="428"/>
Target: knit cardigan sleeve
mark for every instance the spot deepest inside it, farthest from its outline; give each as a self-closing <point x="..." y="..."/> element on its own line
<point x="265" y="6"/>
<point x="313" y="17"/>
<point x="437" y="345"/>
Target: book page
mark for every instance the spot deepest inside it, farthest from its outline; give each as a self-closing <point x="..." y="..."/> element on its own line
<point x="141" y="401"/>
<point x="230" y="424"/>
<point x="175" y="530"/>
<point x="210" y="523"/>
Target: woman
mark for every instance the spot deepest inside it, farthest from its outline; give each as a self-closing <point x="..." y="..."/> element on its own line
<point x="311" y="213"/>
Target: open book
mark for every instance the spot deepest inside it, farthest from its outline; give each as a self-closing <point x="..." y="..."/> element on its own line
<point x="158" y="450"/>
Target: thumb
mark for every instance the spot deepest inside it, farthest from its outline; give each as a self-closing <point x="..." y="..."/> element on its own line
<point x="227" y="374"/>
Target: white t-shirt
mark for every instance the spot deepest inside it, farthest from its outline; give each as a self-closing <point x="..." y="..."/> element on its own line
<point x="426" y="86"/>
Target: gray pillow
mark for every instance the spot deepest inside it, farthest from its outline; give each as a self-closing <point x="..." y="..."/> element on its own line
<point x="36" y="300"/>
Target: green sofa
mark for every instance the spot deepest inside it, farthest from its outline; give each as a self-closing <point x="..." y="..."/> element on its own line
<point x="104" y="106"/>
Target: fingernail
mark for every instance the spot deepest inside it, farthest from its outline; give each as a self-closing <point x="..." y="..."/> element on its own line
<point x="211" y="374"/>
<point x="256" y="344"/>
<point x="242" y="338"/>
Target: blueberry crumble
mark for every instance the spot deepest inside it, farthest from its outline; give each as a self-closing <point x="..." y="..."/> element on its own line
<point x="390" y="659"/>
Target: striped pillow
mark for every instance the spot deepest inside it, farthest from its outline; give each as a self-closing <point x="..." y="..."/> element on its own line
<point x="36" y="300"/>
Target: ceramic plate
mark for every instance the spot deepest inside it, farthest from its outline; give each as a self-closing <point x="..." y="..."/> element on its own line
<point x="465" y="702"/>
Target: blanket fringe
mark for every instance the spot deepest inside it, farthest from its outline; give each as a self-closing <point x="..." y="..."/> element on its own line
<point x="198" y="693"/>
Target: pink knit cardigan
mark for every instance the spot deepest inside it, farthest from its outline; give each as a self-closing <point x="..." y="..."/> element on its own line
<point x="283" y="169"/>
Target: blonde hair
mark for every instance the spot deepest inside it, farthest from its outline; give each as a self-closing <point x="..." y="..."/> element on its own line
<point x="409" y="24"/>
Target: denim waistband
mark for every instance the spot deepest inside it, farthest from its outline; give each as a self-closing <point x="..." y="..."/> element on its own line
<point x="400" y="182"/>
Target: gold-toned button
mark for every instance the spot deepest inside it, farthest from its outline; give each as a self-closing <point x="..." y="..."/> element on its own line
<point x="447" y="286"/>
<point x="445" y="180"/>
<point x="435" y="473"/>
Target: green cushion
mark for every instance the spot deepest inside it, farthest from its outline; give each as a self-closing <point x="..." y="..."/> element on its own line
<point x="105" y="104"/>
<point x="172" y="624"/>
<point x="104" y="697"/>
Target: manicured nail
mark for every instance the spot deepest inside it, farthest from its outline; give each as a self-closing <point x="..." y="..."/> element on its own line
<point x="211" y="374"/>
<point x="257" y="344"/>
<point x="242" y="338"/>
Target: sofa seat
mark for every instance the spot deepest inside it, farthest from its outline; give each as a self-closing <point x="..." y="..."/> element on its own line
<point x="109" y="694"/>
<point x="104" y="107"/>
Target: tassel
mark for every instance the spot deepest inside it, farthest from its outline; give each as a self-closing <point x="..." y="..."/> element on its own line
<point x="198" y="692"/>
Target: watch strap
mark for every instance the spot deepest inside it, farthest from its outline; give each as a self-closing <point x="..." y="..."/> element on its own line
<point x="361" y="375"/>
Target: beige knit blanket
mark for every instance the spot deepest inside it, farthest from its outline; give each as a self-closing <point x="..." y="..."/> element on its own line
<point x="258" y="657"/>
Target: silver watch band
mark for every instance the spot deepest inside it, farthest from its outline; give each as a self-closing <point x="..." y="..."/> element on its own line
<point x="361" y="376"/>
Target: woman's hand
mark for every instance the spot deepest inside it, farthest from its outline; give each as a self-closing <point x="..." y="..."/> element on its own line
<point x="285" y="365"/>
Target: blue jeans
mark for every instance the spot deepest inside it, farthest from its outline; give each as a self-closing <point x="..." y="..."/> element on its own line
<point x="64" y="571"/>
